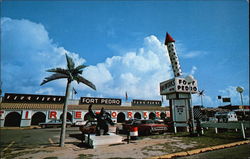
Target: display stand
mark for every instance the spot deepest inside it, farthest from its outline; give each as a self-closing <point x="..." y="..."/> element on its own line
<point x="92" y="140"/>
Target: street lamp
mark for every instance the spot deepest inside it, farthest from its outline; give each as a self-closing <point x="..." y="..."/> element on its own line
<point x="190" y="80"/>
<point x="240" y="90"/>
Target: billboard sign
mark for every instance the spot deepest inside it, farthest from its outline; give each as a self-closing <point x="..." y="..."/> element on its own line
<point x="102" y="101"/>
<point x="178" y="85"/>
<point x="137" y="102"/>
<point x="226" y="100"/>
<point x="32" y="98"/>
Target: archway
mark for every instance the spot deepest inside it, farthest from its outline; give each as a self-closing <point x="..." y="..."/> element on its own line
<point x="120" y="117"/>
<point x="152" y="115"/>
<point x="12" y="119"/>
<point x="137" y="115"/>
<point x="37" y="118"/>
<point x="163" y="115"/>
<point x="69" y="116"/>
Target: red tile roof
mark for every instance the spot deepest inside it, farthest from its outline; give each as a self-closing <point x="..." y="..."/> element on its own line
<point x="38" y="106"/>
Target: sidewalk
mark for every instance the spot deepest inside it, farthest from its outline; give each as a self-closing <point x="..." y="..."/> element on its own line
<point x="196" y="151"/>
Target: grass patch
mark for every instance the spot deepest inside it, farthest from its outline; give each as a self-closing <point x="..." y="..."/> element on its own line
<point x="9" y="155"/>
<point x="210" y="138"/>
<point x="185" y="142"/>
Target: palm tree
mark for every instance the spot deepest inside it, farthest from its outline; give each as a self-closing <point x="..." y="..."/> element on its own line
<point x="201" y="93"/>
<point x="72" y="73"/>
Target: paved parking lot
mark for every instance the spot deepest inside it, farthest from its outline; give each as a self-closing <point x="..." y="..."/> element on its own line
<point x="14" y="139"/>
<point x="43" y="143"/>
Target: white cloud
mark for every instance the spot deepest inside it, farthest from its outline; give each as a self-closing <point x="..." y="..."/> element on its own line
<point x="192" y="72"/>
<point x="207" y="100"/>
<point x="48" y="90"/>
<point x="27" y="52"/>
<point x="192" y="54"/>
<point x="138" y="73"/>
<point x="183" y="52"/>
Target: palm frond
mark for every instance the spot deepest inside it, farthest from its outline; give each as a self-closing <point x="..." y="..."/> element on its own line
<point x="80" y="67"/>
<point x="70" y="62"/>
<point x="79" y="79"/>
<point x="58" y="70"/>
<point x="201" y="93"/>
<point x="53" y="77"/>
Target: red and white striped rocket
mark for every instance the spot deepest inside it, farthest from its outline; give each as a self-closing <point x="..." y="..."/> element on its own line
<point x="169" y="42"/>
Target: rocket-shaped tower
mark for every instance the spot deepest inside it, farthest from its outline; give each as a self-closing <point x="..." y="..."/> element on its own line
<point x="169" y="42"/>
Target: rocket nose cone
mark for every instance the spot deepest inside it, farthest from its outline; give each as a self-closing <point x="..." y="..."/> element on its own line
<point x="168" y="39"/>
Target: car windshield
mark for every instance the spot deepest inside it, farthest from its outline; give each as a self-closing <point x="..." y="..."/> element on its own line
<point x="52" y="121"/>
<point x="136" y="122"/>
<point x="128" y="121"/>
<point x="147" y="122"/>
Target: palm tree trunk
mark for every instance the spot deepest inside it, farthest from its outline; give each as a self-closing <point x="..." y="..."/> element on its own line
<point x="65" y="108"/>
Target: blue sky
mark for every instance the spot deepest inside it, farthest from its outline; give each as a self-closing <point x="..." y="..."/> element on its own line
<point x="123" y="44"/>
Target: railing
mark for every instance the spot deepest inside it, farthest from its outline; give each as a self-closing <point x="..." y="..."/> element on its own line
<point x="230" y="125"/>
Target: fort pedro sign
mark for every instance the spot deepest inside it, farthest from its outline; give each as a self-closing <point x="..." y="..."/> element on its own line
<point x="31" y="98"/>
<point x="101" y="101"/>
<point x="137" y="102"/>
<point x="178" y="85"/>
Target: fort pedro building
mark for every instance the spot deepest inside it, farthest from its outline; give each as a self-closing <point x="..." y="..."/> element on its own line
<point x="28" y="109"/>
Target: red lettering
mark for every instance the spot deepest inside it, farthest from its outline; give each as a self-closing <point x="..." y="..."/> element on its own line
<point x="52" y="114"/>
<point x="158" y="114"/>
<point x="168" y="113"/>
<point x="114" y="114"/>
<point x="78" y="115"/>
<point x="130" y="114"/>
<point x="26" y="114"/>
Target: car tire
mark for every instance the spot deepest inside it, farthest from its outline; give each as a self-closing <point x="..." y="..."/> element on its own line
<point x="161" y="132"/>
<point x="148" y="132"/>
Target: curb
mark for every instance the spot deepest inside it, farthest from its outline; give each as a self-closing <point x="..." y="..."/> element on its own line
<point x="196" y="151"/>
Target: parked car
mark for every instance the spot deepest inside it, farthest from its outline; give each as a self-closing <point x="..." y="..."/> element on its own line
<point x="226" y="116"/>
<point x="146" y="127"/>
<point x="89" y="127"/>
<point x="55" y="123"/>
<point x="79" y="123"/>
<point x="213" y="119"/>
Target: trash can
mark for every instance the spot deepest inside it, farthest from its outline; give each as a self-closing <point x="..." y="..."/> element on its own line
<point x="133" y="133"/>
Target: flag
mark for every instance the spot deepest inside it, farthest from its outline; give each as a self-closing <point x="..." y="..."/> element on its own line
<point x="126" y="96"/>
<point x="74" y="91"/>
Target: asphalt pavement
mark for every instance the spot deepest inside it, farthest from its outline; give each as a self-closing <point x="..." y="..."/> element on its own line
<point x="19" y="139"/>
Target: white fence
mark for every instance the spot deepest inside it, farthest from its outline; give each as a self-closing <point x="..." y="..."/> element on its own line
<point x="230" y="125"/>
